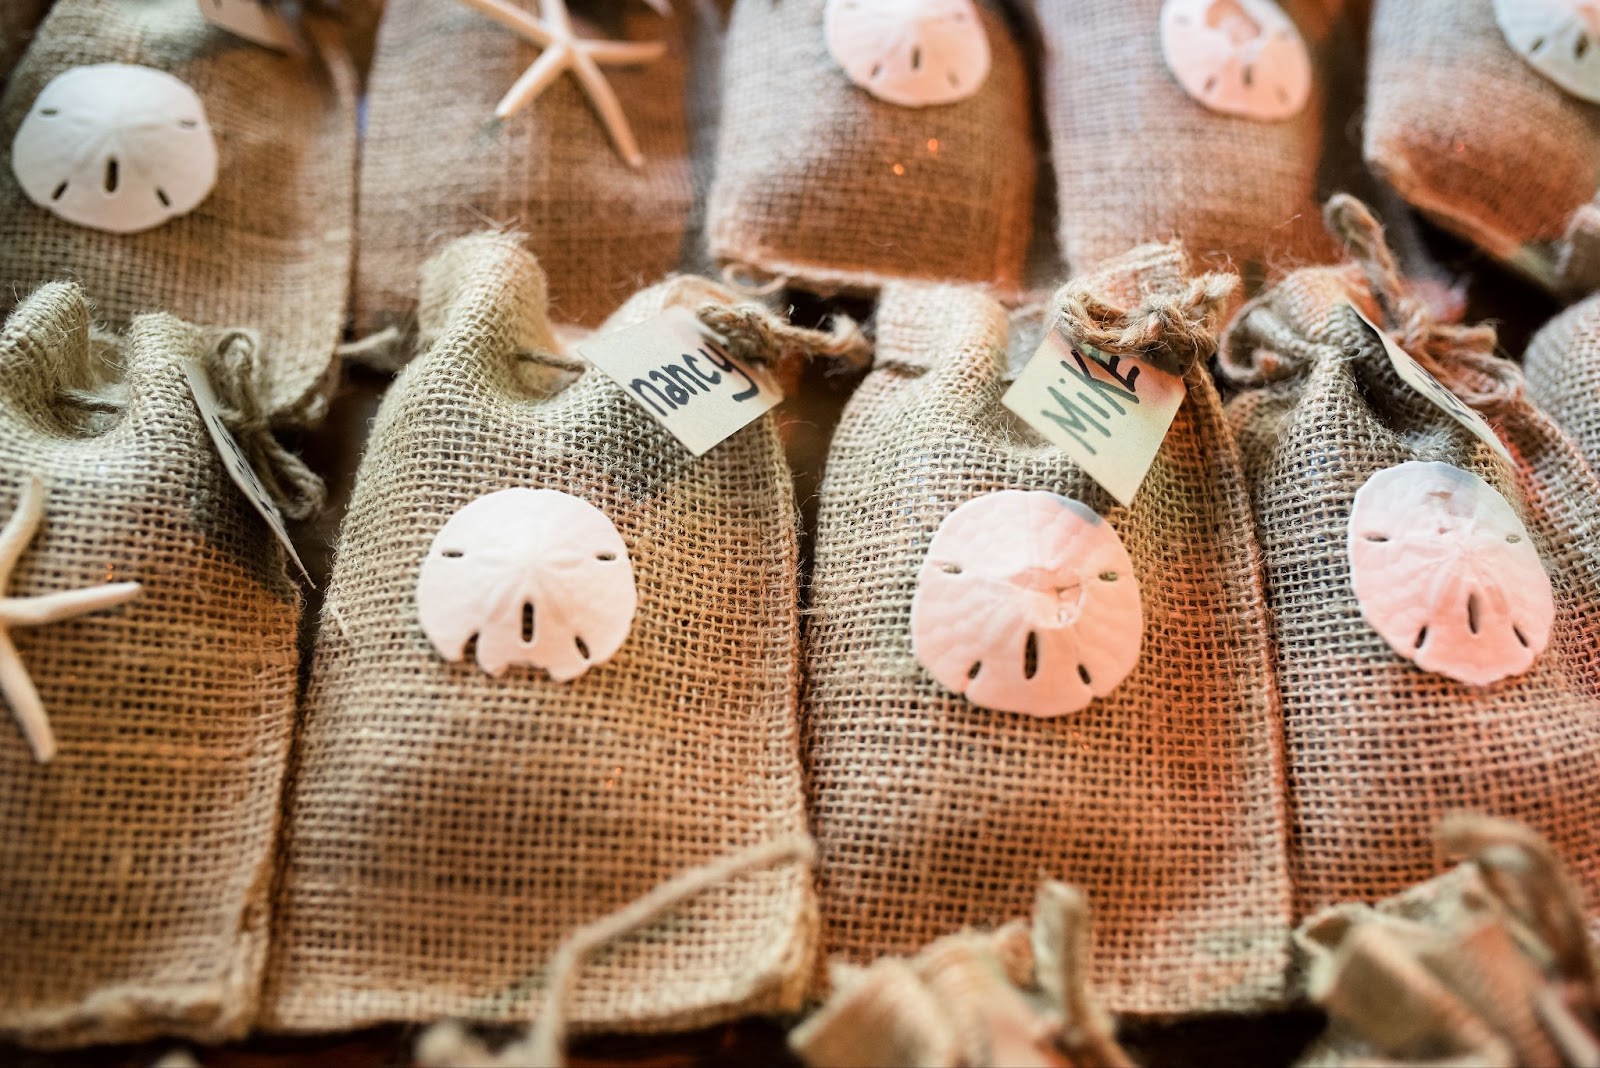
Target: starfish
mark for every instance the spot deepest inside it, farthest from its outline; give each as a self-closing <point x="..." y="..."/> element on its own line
<point x="565" y="51"/>
<point x="34" y="611"/>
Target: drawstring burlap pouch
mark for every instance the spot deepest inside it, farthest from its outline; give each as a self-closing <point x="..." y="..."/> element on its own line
<point x="1486" y="964"/>
<point x="1163" y="801"/>
<point x="436" y="163"/>
<point x="269" y="248"/>
<point x="135" y="865"/>
<point x="448" y="828"/>
<point x="1563" y="369"/>
<point x="1138" y="159"/>
<point x="822" y="185"/>
<point x="1379" y="749"/>
<point x="1442" y="81"/>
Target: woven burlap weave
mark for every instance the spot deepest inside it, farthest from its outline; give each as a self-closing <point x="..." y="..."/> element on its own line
<point x="448" y="828"/>
<point x="436" y="166"/>
<point x="820" y="183"/>
<point x="1442" y="86"/>
<point x="269" y="248"/>
<point x="1379" y="749"/>
<point x="1163" y="801"/>
<point x="134" y="868"/>
<point x="1137" y="159"/>
<point x="1563" y="367"/>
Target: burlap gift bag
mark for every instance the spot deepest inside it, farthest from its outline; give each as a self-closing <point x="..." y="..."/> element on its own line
<point x="1378" y="748"/>
<point x="437" y="165"/>
<point x="1163" y="801"/>
<point x="447" y="827"/>
<point x="1442" y="75"/>
<point x="1138" y="159"/>
<point x="135" y="865"/>
<point x="822" y="184"/>
<point x="269" y="247"/>
<point x="1563" y="368"/>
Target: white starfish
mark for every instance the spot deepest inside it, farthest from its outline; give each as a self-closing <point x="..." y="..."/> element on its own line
<point x="564" y="50"/>
<point x="34" y="611"/>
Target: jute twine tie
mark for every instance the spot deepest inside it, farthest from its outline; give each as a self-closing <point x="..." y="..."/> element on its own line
<point x="1173" y="329"/>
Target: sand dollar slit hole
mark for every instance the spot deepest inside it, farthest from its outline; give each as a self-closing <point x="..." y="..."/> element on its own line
<point x="115" y="147"/>
<point x="1559" y="38"/>
<point x="1445" y="571"/>
<point x="531" y="577"/>
<point x="1238" y="57"/>
<point x="1027" y="603"/>
<point x="914" y="53"/>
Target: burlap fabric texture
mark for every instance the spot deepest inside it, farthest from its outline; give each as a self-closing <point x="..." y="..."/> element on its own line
<point x="269" y="248"/>
<point x="135" y="867"/>
<point x="436" y="165"/>
<point x="1163" y="802"/>
<point x="448" y="828"/>
<point x="822" y="184"/>
<point x="1563" y="368"/>
<point x="1137" y="159"/>
<point x="1441" y="86"/>
<point x="1379" y="749"/>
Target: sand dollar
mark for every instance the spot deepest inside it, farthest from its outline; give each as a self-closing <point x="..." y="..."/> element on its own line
<point x="1027" y="602"/>
<point x="115" y="147"/>
<point x="1239" y="57"/>
<point x="1559" y="38"/>
<point x="909" y="52"/>
<point x="1445" y="571"/>
<point x="540" y="577"/>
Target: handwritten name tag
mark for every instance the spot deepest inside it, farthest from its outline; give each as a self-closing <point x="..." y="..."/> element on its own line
<point x="684" y="376"/>
<point x="234" y="462"/>
<point x="1417" y="377"/>
<point x="1110" y="413"/>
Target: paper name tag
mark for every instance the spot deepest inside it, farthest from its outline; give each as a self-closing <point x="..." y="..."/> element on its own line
<point x="235" y="463"/>
<point x="683" y="375"/>
<point x="1110" y="413"/>
<point x="1417" y="377"/>
<point x="255" y="20"/>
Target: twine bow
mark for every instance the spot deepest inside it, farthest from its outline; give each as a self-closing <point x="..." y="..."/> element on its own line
<point x="1406" y="317"/>
<point x="1174" y="329"/>
<point x="755" y="335"/>
<point x="234" y="365"/>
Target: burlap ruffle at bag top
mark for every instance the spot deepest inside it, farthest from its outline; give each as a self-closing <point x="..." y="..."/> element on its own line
<point x="268" y="248"/>
<point x="438" y="163"/>
<point x="1162" y="800"/>
<point x="1239" y="189"/>
<point x="449" y="827"/>
<point x="824" y="183"/>
<point x="1379" y="748"/>
<point x="135" y="865"/>
<point x="1443" y="80"/>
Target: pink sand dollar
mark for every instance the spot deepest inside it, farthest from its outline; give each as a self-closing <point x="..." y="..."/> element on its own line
<point x="1559" y="38"/>
<point x="909" y="52"/>
<point x="541" y="577"/>
<point x="115" y="147"/>
<point x="1027" y="602"/>
<point x="1445" y="571"/>
<point x="1239" y="57"/>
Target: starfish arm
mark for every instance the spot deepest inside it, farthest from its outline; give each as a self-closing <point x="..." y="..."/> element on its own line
<point x="610" y="109"/>
<point x="21" y="527"/>
<point x="515" y="20"/>
<point x="546" y="69"/>
<point x="24" y="701"/>
<point x="53" y="607"/>
<point x="623" y="53"/>
<point x="555" y="14"/>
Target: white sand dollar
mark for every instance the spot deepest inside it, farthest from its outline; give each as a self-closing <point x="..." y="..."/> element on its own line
<point x="1239" y="57"/>
<point x="541" y="577"/>
<point x="1559" y="38"/>
<point x="1027" y="602"/>
<point x="115" y="147"/>
<point x="913" y="53"/>
<point x="1445" y="571"/>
